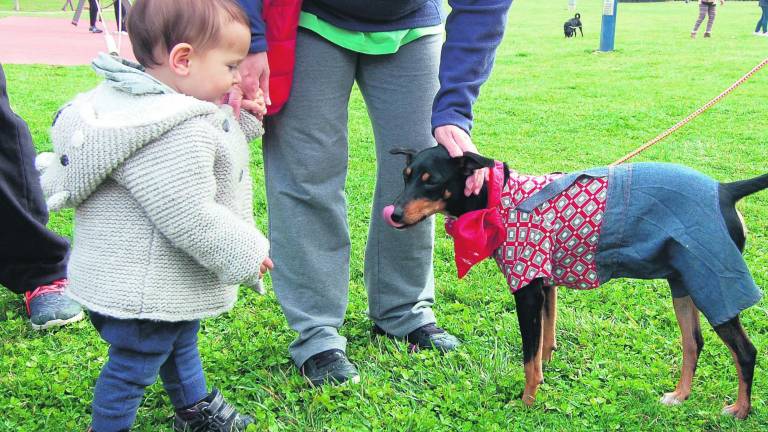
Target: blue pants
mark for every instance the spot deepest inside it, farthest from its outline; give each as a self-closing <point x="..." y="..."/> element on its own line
<point x="763" y="21"/>
<point x="140" y="350"/>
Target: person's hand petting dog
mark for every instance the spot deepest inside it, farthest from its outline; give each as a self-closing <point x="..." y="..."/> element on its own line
<point x="457" y="141"/>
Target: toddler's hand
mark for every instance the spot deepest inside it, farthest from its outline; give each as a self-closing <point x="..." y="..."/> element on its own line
<point x="257" y="106"/>
<point x="265" y="266"/>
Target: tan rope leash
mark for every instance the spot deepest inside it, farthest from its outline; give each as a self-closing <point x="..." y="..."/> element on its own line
<point x="693" y="115"/>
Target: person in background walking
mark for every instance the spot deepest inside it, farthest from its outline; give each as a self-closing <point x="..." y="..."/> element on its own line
<point x="706" y="7"/>
<point x="93" y="10"/>
<point x="762" y="23"/>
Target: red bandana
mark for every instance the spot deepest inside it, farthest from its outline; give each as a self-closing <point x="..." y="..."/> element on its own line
<point x="477" y="234"/>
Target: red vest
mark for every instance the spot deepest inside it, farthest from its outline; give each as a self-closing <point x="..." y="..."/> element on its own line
<point x="281" y="18"/>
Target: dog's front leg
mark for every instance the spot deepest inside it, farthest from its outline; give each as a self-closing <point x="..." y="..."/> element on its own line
<point x="549" y="323"/>
<point x="529" y="302"/>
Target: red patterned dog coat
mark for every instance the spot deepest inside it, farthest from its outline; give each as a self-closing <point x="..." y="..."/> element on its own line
<point x="557" y="241"/>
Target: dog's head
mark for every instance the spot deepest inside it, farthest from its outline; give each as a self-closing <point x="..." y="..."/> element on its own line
<point x="434" y="182"/>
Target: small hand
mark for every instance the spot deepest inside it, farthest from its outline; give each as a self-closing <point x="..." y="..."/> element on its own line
<point x="257" y="107"/>
<point x="457" y="141"/>
<point x="265" y="266"/>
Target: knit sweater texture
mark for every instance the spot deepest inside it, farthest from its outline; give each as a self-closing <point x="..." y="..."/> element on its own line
<point x="162" y="193"/>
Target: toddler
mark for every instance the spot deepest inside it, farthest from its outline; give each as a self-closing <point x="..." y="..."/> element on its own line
<point x="158" y="175"/>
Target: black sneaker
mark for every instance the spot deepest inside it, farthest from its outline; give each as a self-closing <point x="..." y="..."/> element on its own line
<point x="428" y="336"/>
<point x="329" y="367"/>
<point x="212" y="414"/>
<point x="94" y="29"/>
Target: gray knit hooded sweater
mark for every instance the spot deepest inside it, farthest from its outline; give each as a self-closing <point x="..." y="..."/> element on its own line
<point x="162" y="193"/>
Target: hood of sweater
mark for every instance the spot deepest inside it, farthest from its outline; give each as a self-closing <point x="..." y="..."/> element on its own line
<point x="96" y="132"/>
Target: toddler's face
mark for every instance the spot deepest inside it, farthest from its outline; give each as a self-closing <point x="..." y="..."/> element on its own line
<point x="213" y="72"/>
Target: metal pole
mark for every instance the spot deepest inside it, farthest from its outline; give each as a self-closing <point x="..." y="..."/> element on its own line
<point x="16" y="5"/>
<point x="608" y="30"/>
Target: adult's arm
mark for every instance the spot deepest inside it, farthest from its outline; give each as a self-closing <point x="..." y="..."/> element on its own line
<point x="473" y="32"/>
<point x="253" y="9"/>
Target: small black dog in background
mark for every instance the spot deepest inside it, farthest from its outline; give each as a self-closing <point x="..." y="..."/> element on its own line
<point x="570" y="26"/>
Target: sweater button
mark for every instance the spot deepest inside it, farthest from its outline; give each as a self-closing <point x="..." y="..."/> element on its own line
<point x="225" y="125"/>
<point x="64" y="160"/>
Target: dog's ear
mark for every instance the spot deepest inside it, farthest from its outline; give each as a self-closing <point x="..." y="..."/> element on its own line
<point x="407" y="152"/>
<point x="473" y="161"/>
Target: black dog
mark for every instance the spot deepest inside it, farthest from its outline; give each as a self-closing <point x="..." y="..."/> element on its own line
<point x="434" y="182"/>
<point x="570" y="26"/>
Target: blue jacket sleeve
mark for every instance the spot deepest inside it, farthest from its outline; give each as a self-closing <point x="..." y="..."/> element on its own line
<point x="473" y="32"/>
<point x="252" y="8"/>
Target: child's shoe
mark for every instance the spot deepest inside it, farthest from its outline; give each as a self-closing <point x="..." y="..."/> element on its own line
<point x="693" y="35"/>
<point x="47" y="306"/>
<point x="211" y="414"/>
<point x="707" y="34"/>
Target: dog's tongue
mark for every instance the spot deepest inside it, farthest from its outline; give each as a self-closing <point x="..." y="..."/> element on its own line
<point x="387" y="214"/>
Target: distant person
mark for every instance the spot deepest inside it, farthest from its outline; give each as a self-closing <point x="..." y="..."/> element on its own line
<point x="762" y="23"/>
<point x="120" y="13"/>
<point x="93" y="9"/>
<point x="706" y="7"/>
<point x="33" y="260"/>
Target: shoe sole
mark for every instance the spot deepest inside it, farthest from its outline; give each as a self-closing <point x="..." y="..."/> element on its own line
<point x="57" y="322"/>
<point x="333" y="382"/>
<point x="412" y="347"/>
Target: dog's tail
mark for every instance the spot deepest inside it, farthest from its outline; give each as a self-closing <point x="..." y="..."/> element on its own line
<point x="739" y="189"/>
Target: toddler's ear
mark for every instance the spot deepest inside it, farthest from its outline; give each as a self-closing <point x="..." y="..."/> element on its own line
<point x="179" y="58"/>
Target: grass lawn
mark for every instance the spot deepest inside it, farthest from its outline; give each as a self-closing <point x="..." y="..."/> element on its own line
<point x="551" y="105"/>
<point x="48" y="8"/>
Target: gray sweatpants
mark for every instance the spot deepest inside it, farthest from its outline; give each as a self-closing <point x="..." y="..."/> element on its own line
<point x="306" y="158"/>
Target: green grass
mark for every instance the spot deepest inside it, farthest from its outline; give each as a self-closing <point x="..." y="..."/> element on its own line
<point x="551" y="104"/>
<point x="48" y="8"/>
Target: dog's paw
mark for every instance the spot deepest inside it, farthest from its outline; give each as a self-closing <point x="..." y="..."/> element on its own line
<point x="672" y="398"/>
<point x="738" y="411"/>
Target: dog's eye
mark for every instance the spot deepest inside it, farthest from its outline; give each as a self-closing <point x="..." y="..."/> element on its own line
<point x="407" y="172"/>
<point x="425" y="176"/>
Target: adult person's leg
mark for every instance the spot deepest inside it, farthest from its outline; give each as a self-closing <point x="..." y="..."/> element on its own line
<point x="33" y="260"/>
<point x="762" y="23"/>
<point x="119" y="15"/>
<point x="702" y="13"/>
<point x="712" y="11"/>
<point x="305" y="160"/>
<point x="398" y="90"/>
<point x="93" y="11"/>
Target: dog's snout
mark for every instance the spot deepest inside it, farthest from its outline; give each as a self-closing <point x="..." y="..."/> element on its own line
<point x="397" y="214"/>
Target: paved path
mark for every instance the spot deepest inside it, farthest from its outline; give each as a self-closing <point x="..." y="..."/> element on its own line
<point x="53" y="41"/>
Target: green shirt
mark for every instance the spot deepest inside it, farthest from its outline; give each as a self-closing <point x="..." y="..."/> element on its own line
<point x="385" y="42"/>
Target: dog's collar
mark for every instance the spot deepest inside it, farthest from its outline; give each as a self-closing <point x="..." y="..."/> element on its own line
<point x="495" y="184"/>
